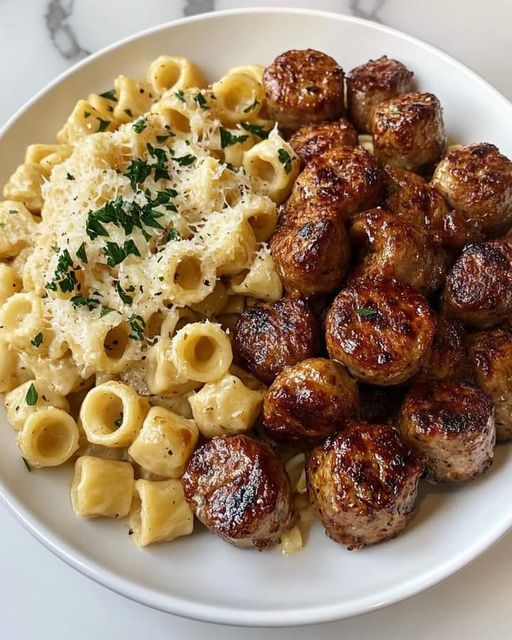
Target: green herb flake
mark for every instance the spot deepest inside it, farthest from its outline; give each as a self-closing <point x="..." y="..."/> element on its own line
<point x="366" y="312"/>
<point x="173" y="234"/>
<point x="32" y="395"/>
<point x="160" y="167"/>
<point x="180" y="94"/>
<point x="103" y="126"/>
<point x="201" y="101"/>
<point x="285" y="160"/>
<point x="227" y="138"/>
<point x="394" y="110"/>
<point x="185" y="161"/>
<point x="27" y="466"/>
<point x="87" y="114"/>
<point x="139" y="125"/>
<point x="13" y="212"/>
<point x="109" y="95"/>
<point x="137" y="172"/>
<point x="105" y="311"/>
<point x="256" y="129"/>
<point x="127" y="299"/>
<point x="70" y="177"/>
<point x="37" y="341"/>
<point x="252" y="106"/>
<point x="162" y="139"/>
<point x="80" y="301"/>
<point x="81" y="253"/>
<point x="137" y="325"/>
<point x="128" y="112"/>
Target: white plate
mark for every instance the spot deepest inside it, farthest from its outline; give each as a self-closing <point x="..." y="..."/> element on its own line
<point x="200" y="576"/>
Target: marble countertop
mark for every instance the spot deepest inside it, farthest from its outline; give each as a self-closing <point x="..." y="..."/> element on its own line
<point x="39" y="595"/>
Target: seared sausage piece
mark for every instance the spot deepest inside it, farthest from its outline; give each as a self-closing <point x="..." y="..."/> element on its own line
<point x="478" y="288"/>
<point x="310" y="400"/>
<point x="371" y="83"/>
<point x="491" y="362"/>
<point x="313" y="139"/>
<point x="270" y="337"/>
<point x="239" y="490"/>
<point x="448" y="357"/>
<point x="391" y="248"/>
<point x="408" y="132"/>
<point x="302" y="86"/>
<point x="311" y="253"/>
<point x="381" y="330"/>
<point x="411" y="198"/>
<point x="452" y="425"/>
<point x="347" y="179"/>
<point x="477" y="180"/>
<point x="380" y="404"/>
<point x="363" y="484"/>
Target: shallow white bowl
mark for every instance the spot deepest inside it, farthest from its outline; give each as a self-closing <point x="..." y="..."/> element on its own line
<point x="200" y="576"/>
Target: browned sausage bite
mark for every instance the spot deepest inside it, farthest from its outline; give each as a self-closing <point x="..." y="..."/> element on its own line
<point x="380" y="330"/>
<point x="491" y="362"/>
<point x="477" y="180"/>
<point x="310" y="400"/>
<point x="447" y="358"/>
<point x="371" y="83"/>
<point x="302" y="86"/>
<point x="408" y="132"/>
<point x="391" y="248"/>
<point x="239" y="490"/>
<point x="363" y="484"/>
<point x="347" y="179"/>
<point x="452" y="425"/>
<point x="313" y="139"/>
<point x="270" y="337"/>
<point x="478" y="288"/>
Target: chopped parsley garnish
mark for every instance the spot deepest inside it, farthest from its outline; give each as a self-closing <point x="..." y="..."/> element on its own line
<point x="103" y="126"/>
<point x="87" y="114"/>
<point x="69" y="176"/>
<point x="180" y="94"/>
<point x="201" y="101"/>
<point x="394" y="110"/>
<point x="173" y="234"/>
<point x="105" y="311"/>
<point x="139" y="125"/>
<point x="227" y="138"/>
<point x="232" y="167"/>
<point x="128" y="112"/>
<point x="116" y="254"/>
<point x="32" y="396"/>
<point x="285" y="160"/>
<point x="27" y="466"/>
<point x="161" y="139"/>
<point x="80" y="301"/>
<point x="137" y="172"/>
<point x="160" y="166"/>
<point x="37" y="341"/>
<point x="81" y="253"/>
<point x="252" y="106"/>
<point x="12" y="211"/>
<point x="63" y="277"/>
<point x="137" y="325"/>
<point x="127" y="299"/>
<point x="109" y="95"/>
<point x="366" y="312"/>
<point x="256" y="129"/>
<point x="185" y="161"/>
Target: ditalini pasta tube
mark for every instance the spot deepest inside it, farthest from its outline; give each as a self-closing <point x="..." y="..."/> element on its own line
<point x="29" y="397"/>
<point x="49" y="437"/>
<point x="112" y="414"/>
<point x="102" y="488"/>
<point x="159" y="512"/>
<point x="165" y="443"/>
<point x="171" y="73"/>
<point x="201" y="351"/>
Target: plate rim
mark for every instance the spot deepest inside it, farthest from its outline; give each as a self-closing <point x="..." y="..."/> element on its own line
<point x="224" y="614"/>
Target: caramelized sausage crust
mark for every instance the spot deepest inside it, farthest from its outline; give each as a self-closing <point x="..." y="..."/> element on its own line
<point x="391" y="248"/>
<point x="491" y="362"/>
<point x="345" y="178"/>
<point x="380" y="330"/>
<point x="310" y="400"/>
<point x="363" y="484"/>
<point x="313" y="139"/>
<point x="239" y="490"/>
<point x="371" y="83"/>
<point x="452" y="425"/>
<point x="478" y="288"/>
<point x="408" y="132"/>
<point x="477" y="180"/>
<point x="447" y="358"/>
<point x="311" y="254"/>
<point x="302" y="86"/>
<point x="270" y="337"/>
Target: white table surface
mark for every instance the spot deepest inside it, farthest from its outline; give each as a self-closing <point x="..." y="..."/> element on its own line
<point x="42" y="597"/>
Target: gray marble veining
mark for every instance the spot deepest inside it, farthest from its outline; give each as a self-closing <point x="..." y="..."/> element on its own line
<point x="61" y="33"/>
<point x="193" y="7"/>
<point x="368" y="9"/>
